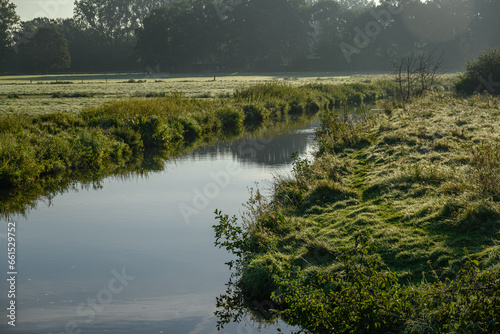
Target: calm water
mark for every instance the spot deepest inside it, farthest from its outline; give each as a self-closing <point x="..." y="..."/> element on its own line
<point x="138" y="255"/>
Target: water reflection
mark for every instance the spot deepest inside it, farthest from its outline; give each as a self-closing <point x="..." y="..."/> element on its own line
<point x="269" y="148"/>
<point x="70" y="250"/>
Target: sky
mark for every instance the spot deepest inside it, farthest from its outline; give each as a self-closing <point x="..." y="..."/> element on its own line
<point x="30" y="9"/>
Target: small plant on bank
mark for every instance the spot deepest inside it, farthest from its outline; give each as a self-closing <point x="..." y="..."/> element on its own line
<point x="300" y="167"/>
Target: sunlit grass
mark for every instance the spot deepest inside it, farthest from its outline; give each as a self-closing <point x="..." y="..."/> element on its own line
<point x="399" y="213"/>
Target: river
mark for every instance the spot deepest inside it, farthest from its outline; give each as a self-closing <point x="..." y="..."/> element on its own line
<point x="136" y="254"/>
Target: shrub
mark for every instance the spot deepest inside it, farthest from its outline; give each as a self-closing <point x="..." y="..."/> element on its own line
<point x="154" y="131"/>
<point x="128" y="136"/>
<point x="232" y="120"/>
<point x="336" y="134"/>
<point x="255" y="115"/>
<point x="191" y="129"/>
<point x="481" y="74"/>
<point x="362" y="297"/>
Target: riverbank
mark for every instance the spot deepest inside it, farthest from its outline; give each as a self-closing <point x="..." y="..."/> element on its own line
<point x="46" y="152"/>
<point x="393" y="228"/>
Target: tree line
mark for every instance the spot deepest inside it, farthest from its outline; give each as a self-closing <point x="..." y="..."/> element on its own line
<point x="245" y="35"/>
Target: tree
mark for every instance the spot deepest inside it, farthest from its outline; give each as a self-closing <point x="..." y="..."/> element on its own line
<point x="8" y="19"/>
<point x="108" y="29"/>
<point x="47" y="51"/>
<point x="332" y="21"/>
<point x="180" y="36"/>
<point x="268" y="34"/>
<point x="485" y="26"/>
<point x="115" y="20"/>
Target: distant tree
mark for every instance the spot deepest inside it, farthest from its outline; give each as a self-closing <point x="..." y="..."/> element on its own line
<point x="486" y="26"/>
<point x="331" y="21"/>
<point x="26" y="30"/>
<point x="179" y="37"/>
<point x="115" y="20"/>
<point x="108" y="32"/>
<point x="268" y="34"/>
<point x="8" y="19"/>
<point x="46" y="52"/>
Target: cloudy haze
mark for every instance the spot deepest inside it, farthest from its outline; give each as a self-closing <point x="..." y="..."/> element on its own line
<point x="29" y="9"/>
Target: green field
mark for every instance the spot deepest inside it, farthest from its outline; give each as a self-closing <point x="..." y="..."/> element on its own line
<point x="34" y="94"/>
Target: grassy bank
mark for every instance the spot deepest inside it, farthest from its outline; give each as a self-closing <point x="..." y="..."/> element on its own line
<point x="394" y="228"/>
<point x="43" y="151"/>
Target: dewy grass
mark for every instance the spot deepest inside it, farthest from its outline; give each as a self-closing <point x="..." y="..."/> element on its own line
<point x="395" y="227"/>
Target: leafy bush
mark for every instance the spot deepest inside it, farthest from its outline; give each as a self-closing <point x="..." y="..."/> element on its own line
<point x="255" y="115"/>
<point x="336" y="134"/>
<point x="481" y="74"/>
<point x="232" y="120"/>
<point x="191" y="129"/>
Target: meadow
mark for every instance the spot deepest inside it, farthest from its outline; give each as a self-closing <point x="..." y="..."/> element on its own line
<point x="72" y="93"/>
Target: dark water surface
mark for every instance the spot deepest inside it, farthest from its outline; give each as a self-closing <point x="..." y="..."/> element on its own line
<point x="138" y="255"/>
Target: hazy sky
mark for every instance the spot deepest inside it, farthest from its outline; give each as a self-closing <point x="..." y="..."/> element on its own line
<point x="29" y="9"/>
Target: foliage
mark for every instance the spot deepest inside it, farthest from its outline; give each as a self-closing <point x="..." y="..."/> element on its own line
<point x="8" y="19"/>
<point x="468" y="304"/>
<point x="337" y="133"/>
<point x="362" y="297"/>
<point x="46" y="52"/>
<point x="192" y="41"/>
<point x="482" y="74"/>
<point x="218" y="36"/>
